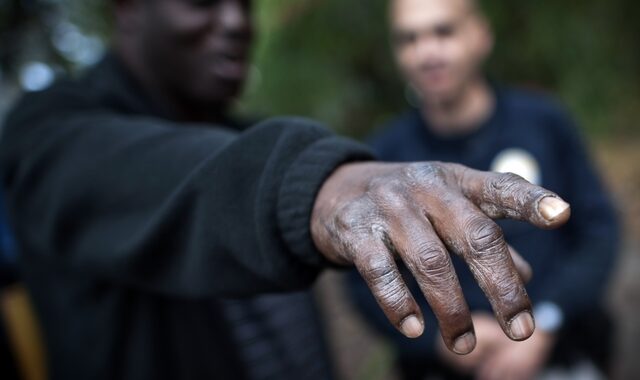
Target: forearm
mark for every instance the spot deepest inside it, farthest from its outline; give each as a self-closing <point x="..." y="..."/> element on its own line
<point x="189" y="211"/>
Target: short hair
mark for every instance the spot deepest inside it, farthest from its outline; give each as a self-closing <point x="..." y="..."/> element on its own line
<point x="476" y="6"/>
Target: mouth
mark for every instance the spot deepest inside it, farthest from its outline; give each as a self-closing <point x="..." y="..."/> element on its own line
<point x="230" y="65"/>
<point x="434" y="73"/>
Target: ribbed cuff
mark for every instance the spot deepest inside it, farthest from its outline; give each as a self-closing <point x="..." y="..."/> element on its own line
<point x="301" y="185"/>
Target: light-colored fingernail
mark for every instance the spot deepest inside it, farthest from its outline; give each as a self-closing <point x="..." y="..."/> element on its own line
<point x="551" y="208"/>
<point x="411" y="327"/>
<point x="464" y="344"/>
<point x="522" y="326"/>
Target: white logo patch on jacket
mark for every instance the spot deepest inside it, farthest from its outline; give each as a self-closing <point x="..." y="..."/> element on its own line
<point x="518" y="161"/>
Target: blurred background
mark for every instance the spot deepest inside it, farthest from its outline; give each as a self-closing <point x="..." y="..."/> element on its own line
<point x="330" y="60"/>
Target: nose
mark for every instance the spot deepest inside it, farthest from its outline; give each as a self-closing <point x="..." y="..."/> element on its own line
<point x="234" y="17"/>
<point x="426" y="48"/>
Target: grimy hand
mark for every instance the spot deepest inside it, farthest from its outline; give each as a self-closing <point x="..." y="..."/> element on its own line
<point x="372" y="214"/>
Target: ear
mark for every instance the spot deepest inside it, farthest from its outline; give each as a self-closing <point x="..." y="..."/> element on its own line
<point x="486" y="40"/>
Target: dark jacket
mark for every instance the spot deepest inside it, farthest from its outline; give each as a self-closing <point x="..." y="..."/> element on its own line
<point x="570" y="265"/>
<point x="130" y="225"/>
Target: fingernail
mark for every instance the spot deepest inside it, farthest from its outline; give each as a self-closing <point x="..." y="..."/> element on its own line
<point x="522" y="326"/>
<point x="411" y="327"/>
<point x="551" y="208"/>
<point x="464" y="344"/>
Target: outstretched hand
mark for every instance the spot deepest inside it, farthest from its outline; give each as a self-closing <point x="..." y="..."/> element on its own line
<point x="372" y="214"/>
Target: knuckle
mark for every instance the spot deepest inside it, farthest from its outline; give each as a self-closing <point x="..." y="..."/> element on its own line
<point x="395" y="299"/>
<point x="510" y="289"/>
<point x="378" y="271"/>
<point x="505" y="181"/>
<point x="392" y="199"/>
<point x="388" y="194"/>
<point x="385" y="184"/>
<point x="386" y="283"/>
<point x="352" y="217"/>
<point x="457" y="316"/>
<point x="502" y="285"/>
<point x="425" y="173"/>
<point x="432" y="259"/>
<point x="484" y="236"/>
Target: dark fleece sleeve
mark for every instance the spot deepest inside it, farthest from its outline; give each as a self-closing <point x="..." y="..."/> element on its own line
<point x="591" y="235"/>
<point x="179" y="210"/>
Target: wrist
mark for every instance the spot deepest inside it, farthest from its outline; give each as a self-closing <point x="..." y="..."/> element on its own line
<point x="340" y="191"/>
<point x="299" y="190"/>
<point x="327" y="199"/>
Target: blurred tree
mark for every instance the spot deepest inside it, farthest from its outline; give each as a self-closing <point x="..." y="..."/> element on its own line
<point x="587" y="53"/>
<point x="330" y="59"/>
<point x="40" y="39"/>
<point x="60" y="33"/>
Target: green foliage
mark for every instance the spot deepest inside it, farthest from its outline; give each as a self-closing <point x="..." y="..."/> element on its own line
<point x="94" y="16"/>
<point x="327" y="59"/>
<point x="586" y="52"/>
<point x="330" y="60"/>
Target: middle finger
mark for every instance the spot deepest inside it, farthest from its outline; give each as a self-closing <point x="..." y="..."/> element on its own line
<point x="468" y="232"/>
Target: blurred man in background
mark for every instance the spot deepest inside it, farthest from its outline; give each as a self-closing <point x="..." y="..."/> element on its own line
<point x="440" y="47"/>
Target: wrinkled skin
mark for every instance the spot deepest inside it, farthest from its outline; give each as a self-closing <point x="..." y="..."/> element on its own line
<point x="372" y="214"/>
<point x="365" y="214"/>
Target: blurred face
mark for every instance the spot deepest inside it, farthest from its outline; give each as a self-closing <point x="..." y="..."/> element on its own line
<point x="196" y="49"/>
<point x="439" y="45"/>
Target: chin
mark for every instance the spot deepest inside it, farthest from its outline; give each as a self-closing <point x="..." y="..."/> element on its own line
<point x="436" y="89"/>
<point x="218" y="95"/>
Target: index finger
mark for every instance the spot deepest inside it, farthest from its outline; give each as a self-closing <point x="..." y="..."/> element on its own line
<point x="507" y="195"/>
<point x="468" y="232"/>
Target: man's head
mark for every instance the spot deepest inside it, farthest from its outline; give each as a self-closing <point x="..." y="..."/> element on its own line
<point x="440" y="45"/>
<point x="194" y="52"/>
